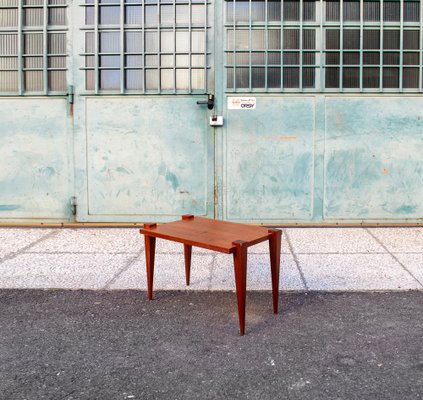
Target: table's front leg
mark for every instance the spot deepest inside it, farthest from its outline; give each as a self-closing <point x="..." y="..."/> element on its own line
<point x="240" y="267"/>
<point x="187" y="256"/>
<point x="275" y="264"/>
<point x="150" y="252"/>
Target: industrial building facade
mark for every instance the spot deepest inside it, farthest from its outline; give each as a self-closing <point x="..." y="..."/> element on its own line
<point x="271" y="112"/>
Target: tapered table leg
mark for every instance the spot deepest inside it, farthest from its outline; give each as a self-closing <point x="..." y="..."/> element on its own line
<point x="150" y="252"/>
<point x="275" y="264"/>
<point x="240" y="267"/>
<point x="187" y="254"/>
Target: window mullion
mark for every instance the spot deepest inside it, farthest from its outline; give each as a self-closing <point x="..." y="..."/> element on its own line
<point x="20" y="49"/>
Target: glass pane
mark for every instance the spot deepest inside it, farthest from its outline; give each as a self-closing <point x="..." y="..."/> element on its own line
<point x="33" y="16"/>
<point x="33" y="43"/>
<point x="372" y="58"/>
<point x="332" y="39"/>
<point x="332" y="78"/>
<point x="274" y="12"/>
<point x="133" y="61"/>
<point x="33" y="62"/>
<point x="57" y="16"/>
<point x="182" y="14"/>
<point x="274" y="58"/>
<point x="351" y="58"/>
<point x="351" y="39"/>
<point x="309" y="77"/>
<point x="182" y="42"/>
<point x="110" y="79"/>
<point x="230" y="78"/>
<point x="332" y="10"/>
<point x="391" y="58"/>
<point x="197" y="79"/>
<point x="152" y="60"/>
<point x="390" y="77"/>
<point x="371" y="39"/>
<point x="166" y="79"/>
<point x="133" y="15"/>
<point x="182" y="79"/>
<point x="133" y="79"/>
<point x="274" y="39"/>
<point x="151" y="42"/>
<point x="291" y="78"/>
<point x="309" y="58"/>
<point x="198" y="60"/>
<point x="411" y="11"/>
<point x="411" y="59"/>
<point x="391" y="10"/>
<point x="167" y="44"/>
<point x="291" y="10"/>
<point x="371" y="11"/>
<point x="291" y="39"/>
<point x="166" y="14"/>
<point x="33" y="81"/>
<point x="89" y="61"/>
<point x="410" y="78"/>
<point x="57" y="62"/>
<point x="411" y="40"/>
<point x="151" y="16"/>
<point x="8" y="44"/>
<point x="109" y="15"/>
<point x="242" y="78"/>
<point x="258" y="39"/>
<point x="197" y="42"/>
<point x="198" y="15"/>
<point x="182" y="60"/>
<point x="257" y="59"/>
<point x="168" y="60"/>
<point x="8" y="81"/>
<point x="391" y="39"/>
<point x="258" y="11"/>
<point x="257" y="78"/>
<point x="133" y="42"/>
<point x="309" y="10"/>
<point x="8" y="17"/>
<point x="351" y="11"/>
<point x="292" y="58"/>
<point x="332" y="58"/>
<point x="57" y="81"/>
<point x="370" y="78"/>
<point x="89" y="15"/>
<point x="8" y="63"/>
<point x="109" y="42"/>
<point x="89" y="42"/>
<point x="309" y="39"/>
<point x="89" y="80"/>
<point x="273" y="78"/>
<point x="109" y="61"/>
<point x="56" y="43"/>
<point x="351" y="78"/>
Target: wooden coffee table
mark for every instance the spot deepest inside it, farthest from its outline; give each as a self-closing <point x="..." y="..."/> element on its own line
<point x="225" y="237"/>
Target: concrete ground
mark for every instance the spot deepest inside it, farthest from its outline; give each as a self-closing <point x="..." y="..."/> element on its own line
<point x="327" y="259"/>
<point x="84" y="345"/>
<point x="350" y="324"/>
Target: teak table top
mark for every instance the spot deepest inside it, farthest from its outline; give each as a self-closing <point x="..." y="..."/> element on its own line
<point x="208" y="233"/>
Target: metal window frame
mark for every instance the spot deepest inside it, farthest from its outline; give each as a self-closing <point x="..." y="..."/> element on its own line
<point x="45" y="29"/>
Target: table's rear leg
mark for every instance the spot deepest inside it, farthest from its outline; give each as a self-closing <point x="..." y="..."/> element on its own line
<point x="275" y="264"/>
<point x="150" y="251"/>
<point x="187" y="254"/>
<point x="240" y="267"/>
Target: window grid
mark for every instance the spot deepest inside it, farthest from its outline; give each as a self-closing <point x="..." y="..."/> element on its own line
<point x="162" y="46"/>
<point x="33" y="47"/>
<point x="313" y="65"/>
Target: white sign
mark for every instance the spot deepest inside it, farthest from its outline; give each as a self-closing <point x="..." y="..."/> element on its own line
<point x="241" y="103"/>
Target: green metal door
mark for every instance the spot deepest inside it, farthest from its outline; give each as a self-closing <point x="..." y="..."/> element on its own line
<point x="323" y="111"/>
<point x="144" y="147"/>
<point x="36" y="152"/>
